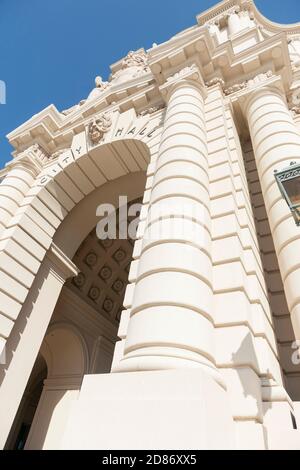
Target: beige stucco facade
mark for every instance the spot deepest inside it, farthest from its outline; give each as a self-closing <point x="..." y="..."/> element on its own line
<point x="184" y="338"/>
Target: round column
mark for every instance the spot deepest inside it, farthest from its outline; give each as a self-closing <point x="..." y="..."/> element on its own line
<point x="12" y="191"/>
<point x="171" y="324"/>
<point x="276" y="142"/>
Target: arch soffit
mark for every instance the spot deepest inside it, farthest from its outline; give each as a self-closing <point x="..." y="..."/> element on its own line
<point x="65" y="351"/>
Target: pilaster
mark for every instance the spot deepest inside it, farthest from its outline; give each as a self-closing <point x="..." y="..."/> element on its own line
<point x="30" y="329"/>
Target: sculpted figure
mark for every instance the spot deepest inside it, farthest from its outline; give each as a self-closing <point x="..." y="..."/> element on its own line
<point x="98" y="127"/>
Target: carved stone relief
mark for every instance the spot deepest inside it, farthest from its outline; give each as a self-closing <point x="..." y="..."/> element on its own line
<point x="98" y="127"/>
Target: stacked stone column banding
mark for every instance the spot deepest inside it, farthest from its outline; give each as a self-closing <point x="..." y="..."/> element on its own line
<point x="276" y="143"/>
<point x="12" y="192"/>
<point x="171" y="322"/>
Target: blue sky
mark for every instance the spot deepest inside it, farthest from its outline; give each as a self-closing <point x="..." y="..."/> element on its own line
<point x="51" y="50"/>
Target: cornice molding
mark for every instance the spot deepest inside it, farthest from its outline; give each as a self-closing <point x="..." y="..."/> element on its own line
<point x="61" y="265"/>
<point x="54" y="131"/>
<point x="218" y="11"/>
<point x="229" y="6"/>
<point x="91" y="321"/>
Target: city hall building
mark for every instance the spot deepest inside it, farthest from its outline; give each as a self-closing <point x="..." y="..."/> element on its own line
<point x="187" y="335"/>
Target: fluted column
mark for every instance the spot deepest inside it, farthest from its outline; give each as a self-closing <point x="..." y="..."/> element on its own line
<point x="276" y="142"/>
<point x="13" y="188"/>
<point x="171" y="325"/>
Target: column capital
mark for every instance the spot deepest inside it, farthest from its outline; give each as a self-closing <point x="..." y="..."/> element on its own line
<point x="261" y="84"/>
<point x="61" y="265"/>
<point x="190" y="74"/>
<point x="29" y="160"/>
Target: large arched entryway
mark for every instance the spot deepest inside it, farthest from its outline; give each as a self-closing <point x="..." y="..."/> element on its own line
<point x="69" y="200"/>
<point x="27" y="409"/>
<point x="80" y="338"/>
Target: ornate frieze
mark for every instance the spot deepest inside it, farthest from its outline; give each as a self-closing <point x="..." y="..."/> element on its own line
<point x="244" y="9"/>
<point x="215" y="81"/>
<point x="98" y="127"/>
<point x="191" y="71"/>
<point x="242" y="85"/>
<point x="151" y="110"/>
<point x="234" y="88"/>
<point x="261" y="77"/>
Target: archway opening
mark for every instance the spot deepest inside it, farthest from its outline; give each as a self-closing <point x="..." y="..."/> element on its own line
<point x="80" y="338"/>
<point x="24" y="418"/>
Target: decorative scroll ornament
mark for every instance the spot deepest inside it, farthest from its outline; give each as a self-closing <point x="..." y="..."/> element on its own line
<point x="215" y="81"/>
<point x="151" y="110"/>
<point x="234" y="88"/>
<point x="98" y="127"/>
<point x="295" y="109"/>
<point x="261" y="77"/>
<point x="135" y="59"/>
<point x="133" y="65"/>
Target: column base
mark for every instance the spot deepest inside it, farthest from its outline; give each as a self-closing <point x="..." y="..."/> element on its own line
<point x="179" y="409"/>
<point x="279" y="426"/>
